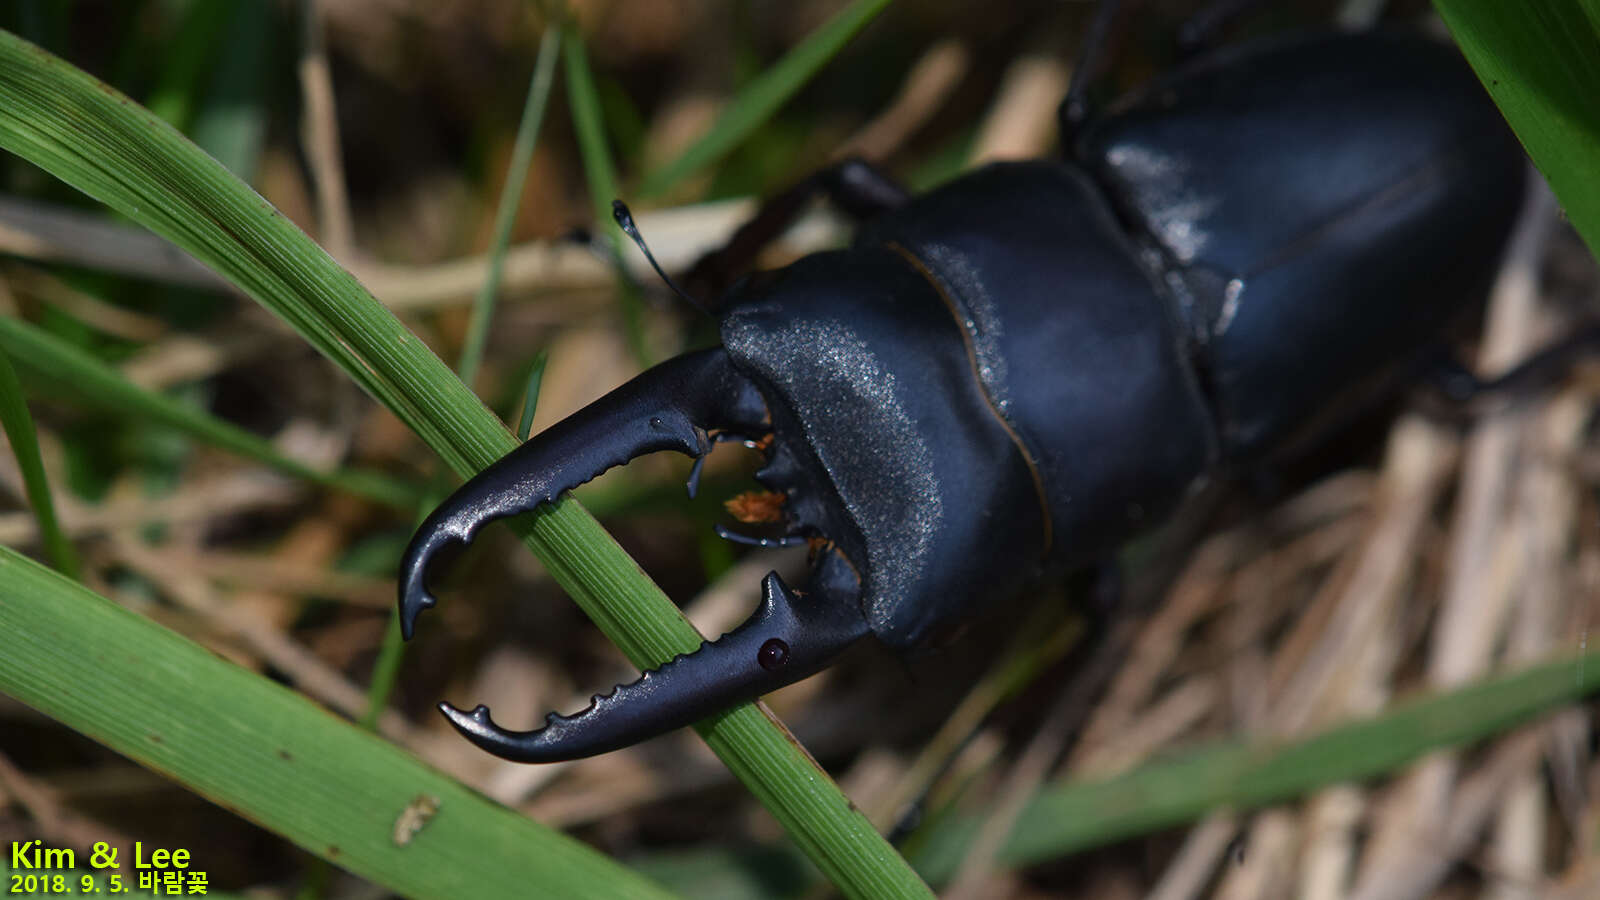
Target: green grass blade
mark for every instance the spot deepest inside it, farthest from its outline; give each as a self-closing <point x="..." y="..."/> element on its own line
<point x="271" y="754"/>
<point x="92" y="137"/>
<point x="75" y="372"/>
<point x="101" y="143"/>
<point x="186" y="61"/>
<point x="1541" y="64"/>
<point x="1068" y="816"/>
<point x="758" y="101"/>
<point x="588" y="122"/>
<point x="385" y="673"/>
<point x="530" y="396"/>
<point x="544" y="70"/>
<point x="25" y="446"/>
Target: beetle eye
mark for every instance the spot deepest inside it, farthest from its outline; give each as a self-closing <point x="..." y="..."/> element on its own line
<point x="773" y="654"/>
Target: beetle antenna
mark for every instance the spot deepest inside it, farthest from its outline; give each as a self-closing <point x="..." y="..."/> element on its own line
<point x="624" y="217"/>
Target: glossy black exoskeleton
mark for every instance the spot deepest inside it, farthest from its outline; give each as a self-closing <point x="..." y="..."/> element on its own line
<point x="1018" y="371"/>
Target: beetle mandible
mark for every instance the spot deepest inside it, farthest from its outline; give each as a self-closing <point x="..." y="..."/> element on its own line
<point x="1018" y="371"/>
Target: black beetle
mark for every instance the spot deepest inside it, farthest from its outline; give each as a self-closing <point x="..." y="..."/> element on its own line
<point x="1018" y="371"/>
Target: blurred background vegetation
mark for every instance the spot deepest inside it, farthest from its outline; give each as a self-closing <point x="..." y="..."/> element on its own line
<point x="385" y="129"/>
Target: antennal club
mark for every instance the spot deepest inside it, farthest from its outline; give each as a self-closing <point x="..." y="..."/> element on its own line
<point x="621" y="213"/>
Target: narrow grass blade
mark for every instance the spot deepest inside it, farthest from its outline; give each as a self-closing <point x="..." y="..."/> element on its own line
<point x="1541" y="64"/>
<point x="589" y="123"/>
<point x="93" y="382"/>
<point x="87" y="134"/>
<point x="544" y="69"/>
<point x="601" y="172"/>
<point x="1071" y="816"/>
<point x="271" y="754"/>
<point x="530" y="397"/>
<point x="765" y="95"/>
<point x="24" y="440"/>
<point x="188" y="57"/>
<point x="385" y="673"/>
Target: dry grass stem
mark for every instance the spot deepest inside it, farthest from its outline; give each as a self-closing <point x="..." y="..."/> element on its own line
<point x="1195" y="863"/>
<point x="1474" y="605"/>
<point x="308" y="672"/>
<point x="678" y="236"/>
<point x="926" y="87"/>
<point x="1021" y="124"/>
<point x="55" y="822"/>
<point x="201" y="500"/>
<point x="320" y="136"/>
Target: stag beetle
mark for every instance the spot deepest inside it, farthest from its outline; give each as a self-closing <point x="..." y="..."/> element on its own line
<point x="1018" y="371"/>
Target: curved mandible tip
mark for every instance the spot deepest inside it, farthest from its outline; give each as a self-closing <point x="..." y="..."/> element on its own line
<point x="669" y="407"/>
<point x="788" y="638"/>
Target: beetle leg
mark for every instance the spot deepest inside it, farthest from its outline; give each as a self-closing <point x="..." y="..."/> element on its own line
<point x="788" y="540"/>
<point x="1074" y="111"/>
<point x="1459" y="385"/>
<point x="789" y="637"/>
<point x="1202" y="31"/>
<point x="669" y="407"/>
<point x="717" y="437"/>
<point x="855" y="186"/>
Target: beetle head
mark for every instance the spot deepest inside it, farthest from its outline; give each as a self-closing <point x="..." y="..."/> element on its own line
<point x="886" y="451"/>
<point x="887" y="441"/>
